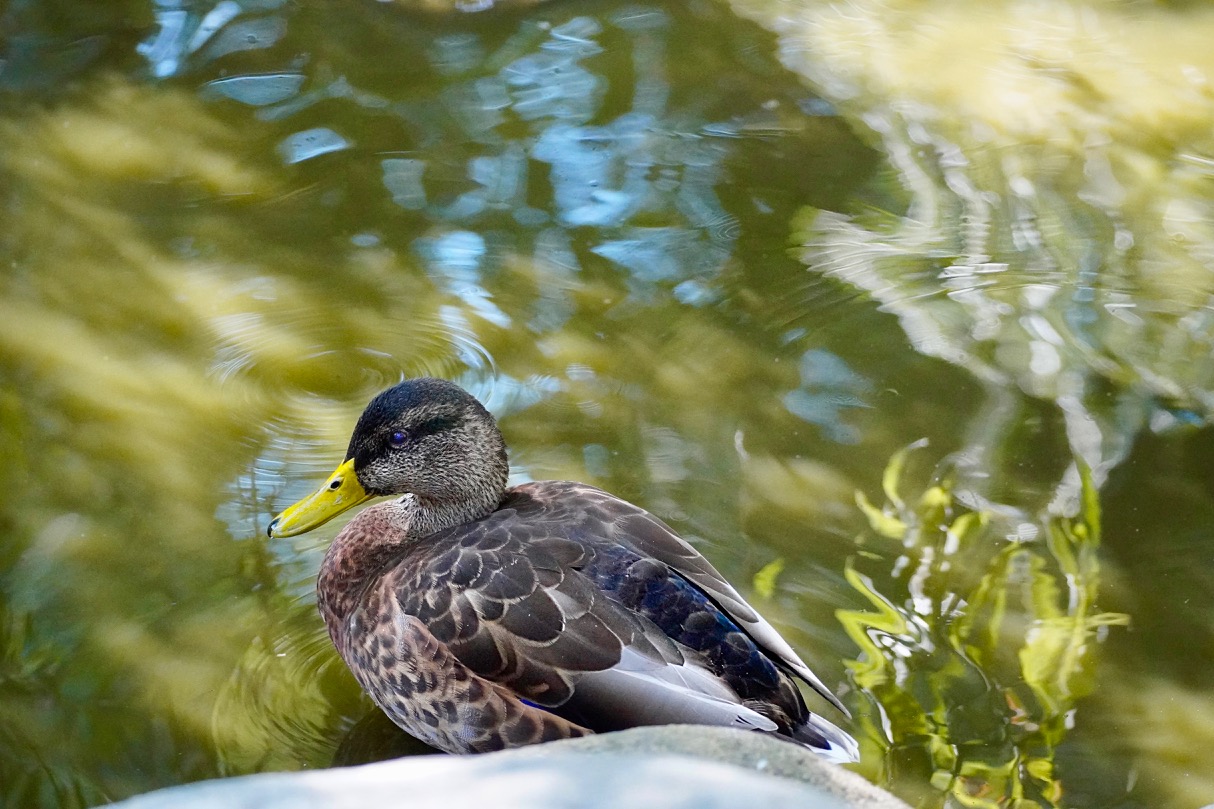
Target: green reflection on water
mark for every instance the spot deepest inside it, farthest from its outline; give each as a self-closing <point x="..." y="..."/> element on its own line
<point x="205" y="276"/>
<point x="979" y="660"/>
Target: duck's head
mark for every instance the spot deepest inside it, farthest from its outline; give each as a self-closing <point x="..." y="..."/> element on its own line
<point x="424" y="437"/>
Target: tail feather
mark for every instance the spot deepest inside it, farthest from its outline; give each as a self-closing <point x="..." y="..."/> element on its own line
<point x="827" y="740"/>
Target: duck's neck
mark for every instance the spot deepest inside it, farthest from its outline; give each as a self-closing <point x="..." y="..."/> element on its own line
<point x="375" y="538"/>
<point x="431" y="516"/>
<point x="460" y="493"/>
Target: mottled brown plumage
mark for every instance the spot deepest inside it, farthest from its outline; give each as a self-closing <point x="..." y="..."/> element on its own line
<point x="480" y="618"/>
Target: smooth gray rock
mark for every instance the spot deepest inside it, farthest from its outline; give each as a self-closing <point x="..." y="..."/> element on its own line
<point x="667" y="767"/>
<point x="756" y="752"/>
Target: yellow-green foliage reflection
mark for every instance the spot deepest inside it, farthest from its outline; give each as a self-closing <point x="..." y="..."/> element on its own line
<point x="1053" y="161"/>
<point x="977" y="661"/>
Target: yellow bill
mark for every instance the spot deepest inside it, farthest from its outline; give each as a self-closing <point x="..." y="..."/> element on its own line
<point x="341" y="492"/>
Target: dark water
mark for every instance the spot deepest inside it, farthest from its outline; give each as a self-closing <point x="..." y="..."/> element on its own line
<point x="674" y="269"/>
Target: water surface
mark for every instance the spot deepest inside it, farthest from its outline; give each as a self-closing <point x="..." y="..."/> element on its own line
<point x="729" y="270"/>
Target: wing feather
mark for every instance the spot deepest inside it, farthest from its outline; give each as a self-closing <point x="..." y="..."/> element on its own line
<point x="649" y="536"/>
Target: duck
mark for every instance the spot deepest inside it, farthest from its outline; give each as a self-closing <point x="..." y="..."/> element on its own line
<point x="480" y="616"/>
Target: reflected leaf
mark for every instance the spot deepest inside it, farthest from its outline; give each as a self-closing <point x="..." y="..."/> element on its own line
<point x="764" y="581"/>
<point x="164" y="50"/>
<point x="893" y="474"/>
<point x="403" y="179"/>
<point x="574" y="37"/>
<point x="256" y="91"/>
<point x="247" y="35"/>
<point x="829" y="388"/>
<point x="223" y="12"/>
<point x="311" y="143"/>
<point x="870" y="630"/>
<point x="456" y="53"/>
<point x="1053" y="658"/>
<point x="694" y="293"/>
<point x="884" y="524"/>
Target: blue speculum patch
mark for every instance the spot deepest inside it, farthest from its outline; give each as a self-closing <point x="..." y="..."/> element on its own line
<point x="687" y="615"/>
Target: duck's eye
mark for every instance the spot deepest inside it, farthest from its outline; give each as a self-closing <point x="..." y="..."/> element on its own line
<point x="397" y="439"/>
